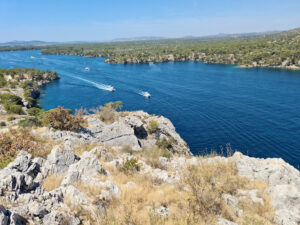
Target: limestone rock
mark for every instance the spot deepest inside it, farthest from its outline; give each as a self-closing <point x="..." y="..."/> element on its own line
<point x="59" y="160"/>
<point x="222" y="221"/>
<point x="162" y="211"/>
<point x="284" y="184"/>
<point x="56" y="217"/>
<point x="88" y="165"/>
<point x="4" y="218"/>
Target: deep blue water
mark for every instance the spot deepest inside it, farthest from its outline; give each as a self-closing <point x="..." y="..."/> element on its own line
<point x="256" y="110"/>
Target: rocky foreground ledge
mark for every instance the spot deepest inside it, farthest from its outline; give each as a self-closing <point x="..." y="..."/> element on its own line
<point x="94" y="175"/>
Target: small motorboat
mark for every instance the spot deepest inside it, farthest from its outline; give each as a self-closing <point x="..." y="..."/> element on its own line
<point x="87" y="69"/>
<point x="112" y="89"/>
<point x="146" y="94"/>
<point x="32" y="57"/>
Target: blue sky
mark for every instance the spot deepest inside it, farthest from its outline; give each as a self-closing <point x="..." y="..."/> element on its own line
<point x="99" y="20"/>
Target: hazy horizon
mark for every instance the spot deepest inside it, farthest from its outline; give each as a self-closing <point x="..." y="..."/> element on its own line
<point x="156" y="37"/>
<point x="103" y="21"/>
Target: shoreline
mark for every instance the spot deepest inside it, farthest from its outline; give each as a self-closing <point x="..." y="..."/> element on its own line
<point x="131" y="62"/>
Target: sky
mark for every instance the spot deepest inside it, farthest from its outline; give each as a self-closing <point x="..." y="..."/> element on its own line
<point x="99" y="20"/>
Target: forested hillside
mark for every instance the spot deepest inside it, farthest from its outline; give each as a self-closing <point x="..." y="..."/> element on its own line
<point x="280" y="50"/>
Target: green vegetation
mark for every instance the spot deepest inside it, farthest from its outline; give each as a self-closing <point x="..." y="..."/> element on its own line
<point x="29" y="80"/>
<point x="152" y="127"/>
<point x="14" y="141"/>
<point x="164" y="144"/>
<point x="273" y="50"/>
<point x="268" y="50"/>
<point x="108" y="112"/>
<point x="62" y="119"/>
<point x="131" y="165"/>
<point x="12" y="103"/>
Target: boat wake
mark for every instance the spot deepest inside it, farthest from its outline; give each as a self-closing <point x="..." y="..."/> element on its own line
<point x="97" y="85"/>
<point x="146" y="94"/>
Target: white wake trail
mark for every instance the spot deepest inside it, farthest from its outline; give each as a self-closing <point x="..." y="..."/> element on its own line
<point x="97" y="85"/>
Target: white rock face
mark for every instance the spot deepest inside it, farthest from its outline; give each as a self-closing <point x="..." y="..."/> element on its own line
<point x="130" y="130"/>
<point x="59" y="160"/>
<point x="21" y="181"/>
<point x="284" y="184"/>
<point x="21" y="184"/>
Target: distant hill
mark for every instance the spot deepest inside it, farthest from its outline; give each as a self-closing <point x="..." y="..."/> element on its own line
<point x="37" y="43"/>
<point x="143" y="38"/>
<point x="27" y="43"/>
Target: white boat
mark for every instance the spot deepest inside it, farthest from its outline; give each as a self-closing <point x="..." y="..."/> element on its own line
<point x="87" y="68"/>
<point x="146" y="94"/>
<point x="112" y="89"/>
<point x="32" y="57"/>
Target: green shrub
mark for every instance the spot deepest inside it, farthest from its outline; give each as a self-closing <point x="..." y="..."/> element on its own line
<point x="13" y="84"/>
<point x="10" y="98"/>
<point x="2" y="82"/>
<point x="30" y="122"/>
<point x="11" y="118"/>
<point x="14" y="141"/>
<point x="153" y="154"/>
<point x="152" y="127"/>
<point x="107" y="113"/>
<point x="13" y="108"/>
<point x="34" y="111"/>
<point x="2" y="124"/>
<point x="115" y="105"/>
<point x="131" y="165"/>
<point x="27" y="84"/>
<point x="61" y="119"/>
<point x="164" y="143"/>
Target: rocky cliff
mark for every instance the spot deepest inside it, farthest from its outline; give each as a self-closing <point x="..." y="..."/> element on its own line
<point x="122" y="173"/>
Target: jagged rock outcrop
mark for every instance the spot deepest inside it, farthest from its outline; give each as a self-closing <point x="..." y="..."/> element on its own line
<point x="21" y="187"/>
<point x="81" y="184"/>
<point x="129" y="130"/>
<point x="284" y="184"/>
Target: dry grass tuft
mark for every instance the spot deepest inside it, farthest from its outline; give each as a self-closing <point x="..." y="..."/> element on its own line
<point x="196" y="199"/>
<point x="52" y="182"/>
<point x="80" y="149"/>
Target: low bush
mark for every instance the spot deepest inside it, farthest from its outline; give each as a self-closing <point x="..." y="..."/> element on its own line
<point x="61" y="119"/>
<point x="131" y="165"/>
<point x="30" y="122"/>
<point x="14" y="141"/>
<point x="152" y="127"/>
<point x="11" y="118"/>
<point x="2" y="124"/>
<point x="153" y="154"/>
<point x="13" y="108"/>
<point x="12" y="103"/>
<point x="2" y="82"/>
<point x="108" y="112"/>
<point x="115" y="105"/>
<point x="34" y="111"/>
<point x="164" y="144"/>
<point x="10" y="98"/>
